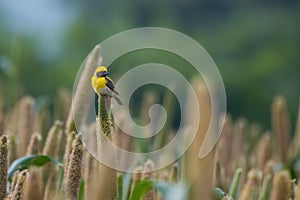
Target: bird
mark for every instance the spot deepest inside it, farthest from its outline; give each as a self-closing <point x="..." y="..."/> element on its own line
<point x="103" y="84"/>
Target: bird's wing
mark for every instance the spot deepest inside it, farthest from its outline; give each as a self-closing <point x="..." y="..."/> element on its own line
<point x="110" y="85"/>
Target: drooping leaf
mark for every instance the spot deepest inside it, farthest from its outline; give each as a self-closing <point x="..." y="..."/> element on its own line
<point x="28" y="161"/>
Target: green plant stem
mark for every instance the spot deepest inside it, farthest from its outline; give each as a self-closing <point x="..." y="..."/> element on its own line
<point x="266" y="189"/>
<point x="235" y="183"/>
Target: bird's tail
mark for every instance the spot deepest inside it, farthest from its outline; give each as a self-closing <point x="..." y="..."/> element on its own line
<point x="118" y="100"/>
<point x="117" y="93"/>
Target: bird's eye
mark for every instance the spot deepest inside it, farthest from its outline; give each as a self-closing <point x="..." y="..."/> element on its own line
<point x="99" y="74"/>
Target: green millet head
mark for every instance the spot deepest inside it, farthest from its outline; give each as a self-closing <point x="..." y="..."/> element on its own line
<point x="4" y="139"/>
<point x="19" y="188"/>
<point x="3" y="166"/>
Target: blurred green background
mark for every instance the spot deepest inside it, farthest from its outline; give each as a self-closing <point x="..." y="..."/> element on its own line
<point x="255" y="44"/>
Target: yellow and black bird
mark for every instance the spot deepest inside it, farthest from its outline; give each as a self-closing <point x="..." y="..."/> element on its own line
<point x="103" y="85"/>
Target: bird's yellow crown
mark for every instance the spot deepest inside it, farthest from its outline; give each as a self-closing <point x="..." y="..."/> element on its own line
<point x="100" y="69"/>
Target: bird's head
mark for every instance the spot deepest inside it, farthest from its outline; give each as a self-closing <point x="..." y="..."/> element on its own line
<point x="101" y="72"/>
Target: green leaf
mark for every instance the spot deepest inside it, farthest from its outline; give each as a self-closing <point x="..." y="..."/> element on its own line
<point x="235" y="183"/>
<point x="141" y="189"/>
<point x="81" y="190"/>
<point x="120" y="187"/>
<point x="28" y="161"/>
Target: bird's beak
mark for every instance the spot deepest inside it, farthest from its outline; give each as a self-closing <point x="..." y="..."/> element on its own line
<point x="105" y="73"/>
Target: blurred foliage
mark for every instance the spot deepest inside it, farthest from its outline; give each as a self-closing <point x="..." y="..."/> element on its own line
<point x="255" y="44"/>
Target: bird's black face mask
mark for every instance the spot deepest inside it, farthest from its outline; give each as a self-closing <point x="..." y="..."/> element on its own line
<point x="102" y="74"/>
